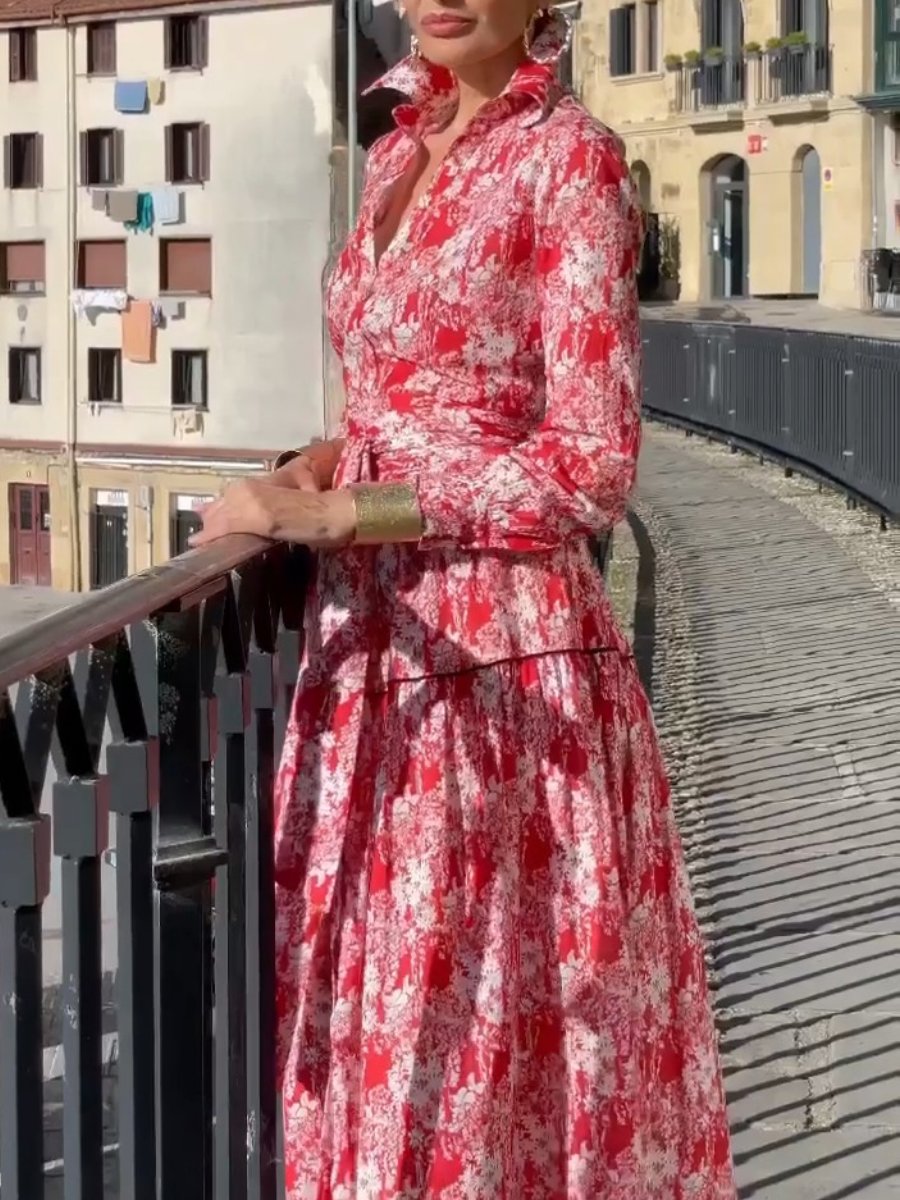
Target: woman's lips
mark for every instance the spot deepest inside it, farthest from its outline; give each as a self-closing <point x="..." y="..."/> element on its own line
<point x="441" y="25"/>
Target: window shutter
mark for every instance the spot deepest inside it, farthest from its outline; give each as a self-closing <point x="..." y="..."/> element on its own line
<point x="29" y="54"/>
<point x="15" y="56"/>
<point x="119" y="155"/>
<point x="204" y="153"/>
<point x="167" y="42"/>
<point x="83" y="157"/>
<point x="170" y="153"/>
<point x="39" y="160"/>
<point x="618" y="26"/>
<point x="202" y="41"/>
<point x="7" y="161"/>
<point x="108" y="43"/>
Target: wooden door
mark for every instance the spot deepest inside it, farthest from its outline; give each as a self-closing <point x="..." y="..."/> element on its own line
<point x="29" y="534"/>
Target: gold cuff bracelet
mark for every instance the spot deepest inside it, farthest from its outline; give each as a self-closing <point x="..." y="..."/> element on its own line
<point x="386" y="512"/>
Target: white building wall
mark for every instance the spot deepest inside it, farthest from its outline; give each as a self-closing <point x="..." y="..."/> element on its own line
<point x="266" y="95"/>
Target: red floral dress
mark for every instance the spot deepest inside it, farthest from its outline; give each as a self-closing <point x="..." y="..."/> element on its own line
<point x="490" y="978"/>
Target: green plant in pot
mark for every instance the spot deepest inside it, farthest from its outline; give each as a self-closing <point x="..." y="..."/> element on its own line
<point x="673" y="62"/>
<point x="713" y="55"/>
<point x="796" y="42"/>
<point x="775" y="47"/>
<point x="752" y="49"/>
<point x="692" y="58"/>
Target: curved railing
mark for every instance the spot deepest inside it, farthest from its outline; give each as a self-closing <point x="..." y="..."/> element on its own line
<point x="827" y="405"/>
<point x="161" y="700"/>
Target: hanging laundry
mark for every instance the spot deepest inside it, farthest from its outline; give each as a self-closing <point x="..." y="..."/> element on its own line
<point x="155" y="91"/>
<point x="172" y="308"/>
<point x="122" y="206"/>
<point x="100" y="200"/>
<point x="130" y="97"/>
<point x="137" y="332"/>
<point x="166" y="206"/>
<point x="89" y="301"/>
<point x="156" y="314"/>
<point x="143" y="219"/>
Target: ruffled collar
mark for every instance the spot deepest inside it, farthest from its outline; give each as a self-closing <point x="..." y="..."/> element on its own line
<point x="432" y="94"/>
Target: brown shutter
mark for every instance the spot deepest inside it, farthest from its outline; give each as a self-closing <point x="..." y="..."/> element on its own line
<point x="25" y="262"/>
<point x="187" y="266"/>
<point x="167" y="42"/>
<point x="118" y="156"/>
<point x="204" y="153"/>
<point x="170" y="153"/>
<point x="29" y="53"/>
<point x="83" y="158"/>
<point x="202" y="41"/>
<point x="107" y="48"/>
<point x="38" y="160"/>
<point x="103" y="264"/>
<point x="15" y="56"/>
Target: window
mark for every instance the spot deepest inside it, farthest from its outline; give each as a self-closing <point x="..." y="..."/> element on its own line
<point x="24" y="376"/>
<point x="102" y="265"/>
<point x="22" y="55"/>
<point x="186" y="43"/>
<point x="651" y="40"/>
<point x="623" y="40"/>
<point x="23" y="160"/>
<point x="102" y="156"/>
<point x="101" y="48"/>
<point x="189" y="379"/>
<point x="22" y="267"/>
<point x="104" y="376"/>
<point x="187" y="153"/>
<point x="185" y="266"/>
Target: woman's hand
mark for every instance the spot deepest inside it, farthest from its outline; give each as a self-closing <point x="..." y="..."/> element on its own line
<point x="304" y="517"/>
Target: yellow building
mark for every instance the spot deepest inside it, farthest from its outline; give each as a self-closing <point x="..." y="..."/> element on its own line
<point x="745" y="138"/>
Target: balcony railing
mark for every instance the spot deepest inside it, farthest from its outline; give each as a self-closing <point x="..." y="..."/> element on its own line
<point x="732" y="81"/>
<point x="719" y="83"/>
<point x="166" y="695"/>
<point x="793" y="73"/>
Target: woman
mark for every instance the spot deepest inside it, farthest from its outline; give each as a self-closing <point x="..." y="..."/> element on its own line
<point x="491" y="983"/>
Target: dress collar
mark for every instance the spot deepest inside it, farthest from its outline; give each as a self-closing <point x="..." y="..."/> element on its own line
<point x="431" y="90"/>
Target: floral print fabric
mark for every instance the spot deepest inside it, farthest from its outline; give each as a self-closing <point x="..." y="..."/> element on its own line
<point x="490" y="979"/>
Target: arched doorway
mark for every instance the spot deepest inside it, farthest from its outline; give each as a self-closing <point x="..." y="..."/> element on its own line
<point x="809" y="189"/>
<point x="640" y="173"/>
<point x="729" y="227"/>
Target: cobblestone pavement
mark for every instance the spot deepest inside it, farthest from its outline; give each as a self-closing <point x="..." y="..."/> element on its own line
<point x="767" y="621"/>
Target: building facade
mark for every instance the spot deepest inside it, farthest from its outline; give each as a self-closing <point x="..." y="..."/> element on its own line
<point x="746" y="138"/>
<point x="165" y="220"/>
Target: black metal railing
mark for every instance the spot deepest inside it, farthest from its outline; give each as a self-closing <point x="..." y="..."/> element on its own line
<point x="826" y="404"/>
<point x="713" y="83"/>
<point x="164" y="699"/>
<point x="793" y="72"/>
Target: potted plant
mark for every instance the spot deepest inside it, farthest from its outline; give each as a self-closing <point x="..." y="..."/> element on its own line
<point x="752" y="49"/>
<point x="673" y="62"/>
<point x="774" y="47"/>
<point x="713" y="55"/>
<point x="796" y="42"/>
<point x="692" y="58"/>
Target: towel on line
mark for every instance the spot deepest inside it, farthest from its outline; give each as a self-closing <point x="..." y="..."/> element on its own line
<point x="137" y="331"/>
<point x="122" y="206"/>
<point x="100" y="200"/>
<point x="130" y="97"/>
<point x="143" y="218"/>
<point x="166" y="206"/>
<point x="155" y="91"/>
<point x="88" y="300"/>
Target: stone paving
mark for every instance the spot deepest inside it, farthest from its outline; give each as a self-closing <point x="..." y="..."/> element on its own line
<point x="774" y="649"/>
<point x="782" y="314"/>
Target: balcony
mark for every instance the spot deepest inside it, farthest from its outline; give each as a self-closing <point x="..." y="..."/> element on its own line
<point x="711" y="85"/>
<point x="793" y="73"/>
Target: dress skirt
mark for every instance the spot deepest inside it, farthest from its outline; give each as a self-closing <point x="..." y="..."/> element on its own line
<point x="491" y="981"/>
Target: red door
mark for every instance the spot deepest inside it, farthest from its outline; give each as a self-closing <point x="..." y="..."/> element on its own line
<point x="29" y="534"/>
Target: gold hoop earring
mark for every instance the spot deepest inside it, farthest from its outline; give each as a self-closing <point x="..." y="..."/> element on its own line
<point x="531" y="28"/>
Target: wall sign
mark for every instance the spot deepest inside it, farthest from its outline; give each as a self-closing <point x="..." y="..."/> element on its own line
<point x="828" y="179"/>
<point x="111" y="499"/>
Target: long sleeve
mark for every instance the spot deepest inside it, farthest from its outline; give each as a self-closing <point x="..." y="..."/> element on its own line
<point x="573" y="474"/>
